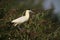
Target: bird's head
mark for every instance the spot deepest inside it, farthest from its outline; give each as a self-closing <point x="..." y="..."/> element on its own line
<point x="29" y="11"/>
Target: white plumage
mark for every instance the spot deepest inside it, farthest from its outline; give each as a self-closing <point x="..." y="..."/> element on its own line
<point x="22" y="19"/>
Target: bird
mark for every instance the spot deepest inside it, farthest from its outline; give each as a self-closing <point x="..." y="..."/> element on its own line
<point x="22" y="19"/>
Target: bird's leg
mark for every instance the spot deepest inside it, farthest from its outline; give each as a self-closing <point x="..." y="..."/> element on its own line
<point x="19" y="28"/>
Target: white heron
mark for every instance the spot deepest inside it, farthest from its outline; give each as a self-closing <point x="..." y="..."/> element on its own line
<point x="22" y="19"/>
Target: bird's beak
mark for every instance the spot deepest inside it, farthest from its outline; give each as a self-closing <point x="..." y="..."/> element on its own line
<point x="31" y="11"/>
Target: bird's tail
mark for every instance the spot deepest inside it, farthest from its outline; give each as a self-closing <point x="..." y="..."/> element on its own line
<point x="10" y="23"/>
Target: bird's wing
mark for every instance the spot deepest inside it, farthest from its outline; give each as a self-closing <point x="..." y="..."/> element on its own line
<point x="20" y="19"/>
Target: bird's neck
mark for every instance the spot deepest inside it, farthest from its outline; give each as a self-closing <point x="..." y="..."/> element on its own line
<point x="27" y="14"/>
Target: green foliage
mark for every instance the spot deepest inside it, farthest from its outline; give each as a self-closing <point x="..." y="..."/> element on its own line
<point x="39" y="27"/>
